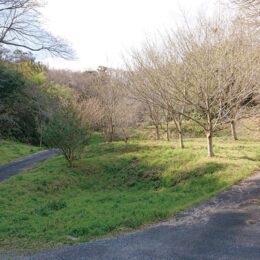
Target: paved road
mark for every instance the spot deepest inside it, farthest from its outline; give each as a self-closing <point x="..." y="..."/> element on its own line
<point x="227" y="227"/>
<point x="10" y="169"/>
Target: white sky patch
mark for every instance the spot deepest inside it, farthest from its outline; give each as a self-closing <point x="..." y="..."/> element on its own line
<point x="101" y="30"/>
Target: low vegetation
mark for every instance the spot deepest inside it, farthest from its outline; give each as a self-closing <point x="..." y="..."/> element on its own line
<point x="116" y="187"/>
<point x="10" y="150"/>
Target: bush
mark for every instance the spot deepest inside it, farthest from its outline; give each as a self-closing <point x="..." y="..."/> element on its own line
<point x="66" y="132"/>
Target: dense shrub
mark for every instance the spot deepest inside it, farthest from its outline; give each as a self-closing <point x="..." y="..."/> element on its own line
<point x="66" y="132"/>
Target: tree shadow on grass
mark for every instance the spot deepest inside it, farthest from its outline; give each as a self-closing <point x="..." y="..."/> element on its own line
<point x="208" y="168"/>
<point x="117" y="148"/>
<point x="244" y="157"/>
<point x="140" y="175"/>
<point x="257" y="158"/>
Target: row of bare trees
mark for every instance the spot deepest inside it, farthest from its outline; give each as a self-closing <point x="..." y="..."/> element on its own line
<point x="207" y="73"/>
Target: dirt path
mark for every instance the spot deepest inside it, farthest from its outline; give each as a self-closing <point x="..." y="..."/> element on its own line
<point x="227" y="227"/>
<point x="10" y="169"/>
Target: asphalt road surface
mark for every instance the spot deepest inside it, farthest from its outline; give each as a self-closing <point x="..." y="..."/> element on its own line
<point x="227" y="227"/>
<point x="10" y="169"/>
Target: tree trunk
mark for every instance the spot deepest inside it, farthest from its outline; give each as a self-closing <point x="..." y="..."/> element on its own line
<point x="125" y="136"/>
<point x="167" y="132"/>
<point x="41" y="134"/>
<point x="111" y="137"/>
<point x="178" y="124"/>
<point x="181" y="140"/>
<point x="210" y="143"/>
<point x="70" y="157"/>
<point x="111" y="134"/>
<point x="41" y="137"/>
<point x="157" y="132"/>
<point x="233" y="130"/>
<point x="41" y="140"/>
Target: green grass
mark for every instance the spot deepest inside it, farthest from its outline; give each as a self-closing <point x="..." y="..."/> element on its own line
<point x="10" y="150"/>
<point x="115" y="188"/>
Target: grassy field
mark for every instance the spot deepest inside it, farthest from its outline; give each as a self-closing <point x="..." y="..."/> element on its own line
<point x="116" y="188"/>
<point x="10" y="151"/>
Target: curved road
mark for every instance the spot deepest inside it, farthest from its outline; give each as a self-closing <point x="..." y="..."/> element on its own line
<point x="10" y="169"/>
<point x="227" y="227"/>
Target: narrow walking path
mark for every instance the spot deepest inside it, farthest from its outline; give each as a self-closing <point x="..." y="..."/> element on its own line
<point x="227" y="227"/>
<point x="10" y="169"/>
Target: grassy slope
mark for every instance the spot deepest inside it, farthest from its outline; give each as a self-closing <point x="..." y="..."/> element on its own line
<point x="10" y="151"/>
<point x="115" y="188"/>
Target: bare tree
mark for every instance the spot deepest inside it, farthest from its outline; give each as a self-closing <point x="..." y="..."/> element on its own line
<point x="155" y="114"/>
<point x="91" y="111"/>
<point x="173" y="75"/>
<point x="126" y="116"/>
<point x="196" y="50"/>
<point x="167" y="119"/>
<point x="20" y="27"/>
<point x="220" y="75"/>
<point x="250" y="9"/>
<point x="240" y="69"/>
<point x="152" y="77"/>
<point x="139" y="88"/>
<point x="108" y="91"/>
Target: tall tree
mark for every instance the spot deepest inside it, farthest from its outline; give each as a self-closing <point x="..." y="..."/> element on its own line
<point x="21" y="27"/>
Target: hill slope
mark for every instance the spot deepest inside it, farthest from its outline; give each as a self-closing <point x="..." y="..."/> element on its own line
<point x="116" y="187"/>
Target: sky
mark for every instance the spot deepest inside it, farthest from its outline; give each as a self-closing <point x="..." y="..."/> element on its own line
<point x="101" y="31"/>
